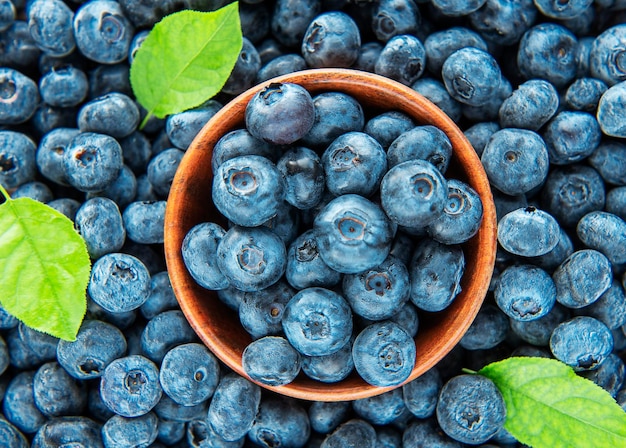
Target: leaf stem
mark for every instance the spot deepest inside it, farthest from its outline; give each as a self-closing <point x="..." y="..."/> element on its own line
<point x="5" y="193"/>
<point x="144" y="122"/>
<point x="470" y="371"/>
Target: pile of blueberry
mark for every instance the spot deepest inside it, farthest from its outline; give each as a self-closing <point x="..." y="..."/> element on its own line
<point x="537" y="86"/>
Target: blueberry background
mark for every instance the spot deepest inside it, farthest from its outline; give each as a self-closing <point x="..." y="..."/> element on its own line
<point x="551" y="70"/>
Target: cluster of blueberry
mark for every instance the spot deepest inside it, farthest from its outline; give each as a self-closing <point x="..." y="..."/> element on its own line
<point x="320" y="237"/>
<point x="539" y="88"/>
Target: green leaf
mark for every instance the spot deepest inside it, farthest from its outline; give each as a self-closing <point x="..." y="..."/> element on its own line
<point x="186" y="59"/>
<point x="549" y="406"/>
<point x="44" y="267"/>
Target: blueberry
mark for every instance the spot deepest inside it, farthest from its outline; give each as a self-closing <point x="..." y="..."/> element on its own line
<point x="421" y="394"/>
<point x="610" y="375"/>
<point x="325" y="417"/>
<point x="130" y="387"/>
<point x="332" y="39"/>
<point x="57" y="393"/>
<point x="64" y="87"/>
<point x="162" y="168"/>
<point x="480" y="133"/>
<point x="572" y="191"/>
<point x="354" y="163"/>
<point x="407" y="318"/>
<point x="610" y="308"/>
<point x="489" y="110"/>
<point x="97" y="344"/>
<point x="102" y="31"/>
<point x="616" y="201"/>
<point x="29" y="348"/>
<point x="384" y="354"/>
<point x="261" y="312"/>
<point x="330" y="368"/>
<point x="353" y="432"/>
<point x="353" y="234"/>
<point x="402" y="59"/>
<point x="271" y="360"/>
<point x="609" y="159"/>
<point x="18" y="406"/>
<point x="189" y="374"/>
<point x="336" y="113"/>
<point x="571" y="136"/>
<point x="240" y="143"/>
<point x="72" y="430"/>
<point x="548" y="51"/>
<point x="528" y="232"/>
<point x="393" y="17"/>
<point x="199" y="251"/>
<point x="502" y="22"/>
<point x="285" y="223"/>
<point x="610" y="108"/>
<point x="380" y="409"/>
<point x="557" y="10"/>
<point x="607" y="59"/>
<point x="19" y="97"/>
<point x="470" y="75"/>
<point x="114" y="114"/>
<point x="582" y="278"/>
<point x="7" y="14"/>
<point x="119" y="282"/>
<point x="379" y="292"/>
<point x="388" y="126"/>
<point x="50" y="25"/>
<point x="35" y="190"/>
<point x="50" y="152"/>
<point x="182" y="127"/>
<point x="163" y="332"/>
<point x="20" y="50"/>
<point x="530" y="106"/>
<point x="136" y="431"/>
<point x="435" y="91"/>
<point x="421" y="142"/>
<point x="136" y="43"/>
<point x="245" y="71"/>
<point x="251" y="258"/>
<point x="281" y="65"/>
<point x="470" y="409"/>
<point x="122" y="190"/>
<point x="604" y="232"/>
<point x="161" y="297"/>
<point x="200" y="434"/>
<point x="584" y="94"/>
<point x="427" y="433"/>
<point x="303" y="175"/>
<point x="144" y="221"/>
<point x="538" y="331"/>
<point x="110" y="79"/>
<point x="368" y="55"/>
<point x="525" y="292"/>
<point x="168" y="409"/>
<point x="92" y="161"/>
<point x="234" y="406"/>
<point x="435" y="271"/>
<point x="255" y="20"/>
<point x="441" y="44"/>
<point x="280" y="422"/>
<point x="291" y="18"/>
<point x="280" y="113"/>
<point x="94" y="215"/>
<point x="488" y="329"/>
<point x="582" y="342"/>
<point x="137" y="151"/>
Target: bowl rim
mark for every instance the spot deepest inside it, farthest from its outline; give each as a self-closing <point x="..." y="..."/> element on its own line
<point x="318" y="80"/>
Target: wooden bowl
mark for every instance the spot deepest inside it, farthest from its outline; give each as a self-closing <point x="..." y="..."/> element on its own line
<point x="189" y="203"/>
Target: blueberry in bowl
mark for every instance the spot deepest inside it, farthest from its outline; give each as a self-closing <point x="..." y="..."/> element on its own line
<point x="347" y="231"/>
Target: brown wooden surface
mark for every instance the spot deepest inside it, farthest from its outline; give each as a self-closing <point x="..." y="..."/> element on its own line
<point x="189" y="203"/>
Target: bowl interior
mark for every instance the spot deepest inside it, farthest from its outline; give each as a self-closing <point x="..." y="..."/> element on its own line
<point x="189" y="203"/>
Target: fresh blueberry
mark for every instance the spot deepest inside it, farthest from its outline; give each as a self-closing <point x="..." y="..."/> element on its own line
<point x="616" y="201"/>
<point x="332" y="39"/>
<point x="144" y="221"/>
<point x="330" y="368"/>
<point x="470" y="75"/>
<point x="164" y="332"/>
<point x="435" y="271"/>
<point x="528" y="232"/>
<point x="558" y="10"/>
<point x="584" y="94"/>
<point x="470" y="409"/>
<point x="388" y="126"/>
<point x="609" y="159"/>
<point x="136" y="431"/>
<point x="354" y="163"/>
<point x="122" y="190"/>
<point x="20" y="50"/>
<point x="610" y="308"/>
<point x="336" y="113"/>
<point x="353" y="234"/>
<point x="234" y="406"/>
<point x="168" y="409"/>
<point x="571" y="136"/>
<point x="368" y="55"/>
<point x="161" y="297"/>
<point x="244" y="73"/>
<point x="71" y="431"/>
<point x="19" y="97"/>
<point x="280" y="113"/>
<point x="64" y="87"/>
<point x="29" y="348"/>
<point x="280" y="422"/>
<point x="130" y="386"/>
<point x="271" y="360"/>
<point x="36" y="190"/>
<point x="137" y="151"/>
<point x="582" y="278"/>
<point x="7" y="14"/>
<point x="199" y="251"/>
<point x="114" y="114"/>
<point x="548" y="51"/>
<point x="441" y="44"/>
<point x="251" y="258"/>
<point x="489" y="110"/>
<point x="102" y="31"/>
<point x="261" y="312"/>
<point x="427" y="433"/>
<point x="435" y="91"/>
<point x="572" y="191"/>
<point x="110" y="79"/>
<point x="182" y="127"/>
<point x="502" y="22"/>
<point x="604" y="232"/>
<point x="457" y="8"/>
<point x="285" y="223"/>
<point x="281" y="65"/>
<point x="530" y="106"/>
<point x="18" y="406"/>
<point x="384" y="354"/>
<point x="610" y="375"/>
<point x="241" y="143"/>
<point x="538" y="331"/>
<point x="170" y="432"/>
<point x="407" y="318"/>
<point x="353" y="432"/>
<point x="402" y="59"/>
<point x="162" y="168"/>
<point x="610" y="108"/>
<point x="119" y="282"/>
<point x="200" y="434"/>
<point x="393" y="17"/>
<point x="136" y="43"/>
<point x="607" y="59"/>
<point x="421" y="394"/>
<point x="97" y="344"/>
<point x="189" y="374"/>
<point x="525" y="292"/>
<point x="480" y="133"/>
<point x="57" y="393"/>
<point x="50" y="25"/>
<point x="305" y="267"/>
<point x="380" y="409"/>
<point x="488" y="329"/>
<point x="582" y="343"/>
<point x="325" y="417"/>
<point x="94" y="215"/>
<point x="255" y="20"/>
<point x="303" y="176"/>
<point x="421" y="142"/>
<point x="291" y="18"/>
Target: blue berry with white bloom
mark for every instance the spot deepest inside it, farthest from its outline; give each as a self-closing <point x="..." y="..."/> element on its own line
<point x="261" y="312"/>
<point x="528" y="232"/>
<point x="135" y="431"/>
<point x="571" y="136"/>
<point x="530" y="106"/>
<point x="582" y="278"/>
<point x="64" y="87"/>
<point x="470" y="76"/>
<point x="19" y="97"/>
<point x="402" y="59"/>
<point x="610" y="108"/>
<point x="94" y="215"/>
<point x="304" y="177"/>
<point x="50" y="25"/>
<point x="582" y="343"/>
<point x="199" y="251"/>
<point x="525" y="292"/>
<point x="330" y="368"/>
<point x="271" y="360"/>
<point x="421" y="142"/>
